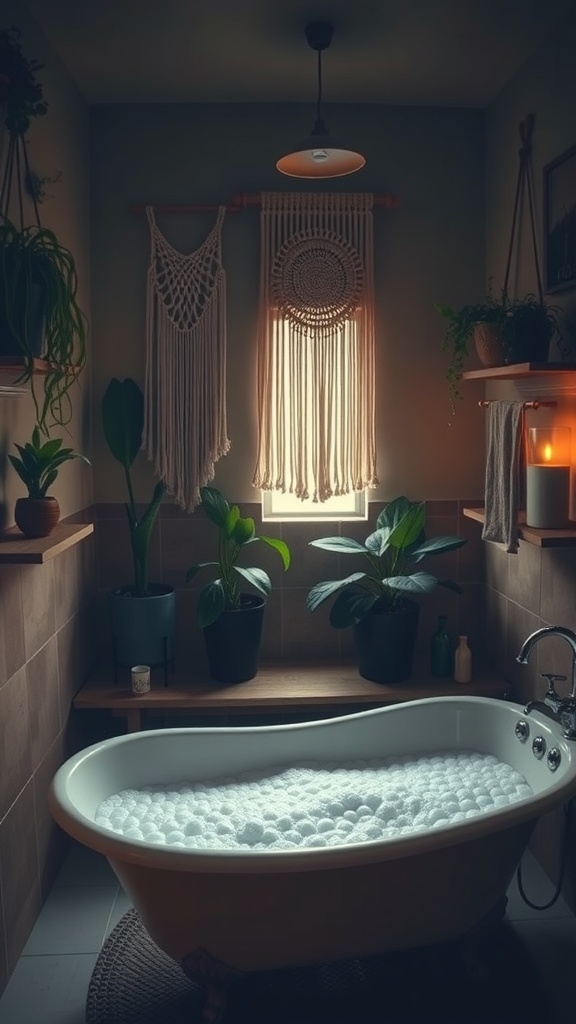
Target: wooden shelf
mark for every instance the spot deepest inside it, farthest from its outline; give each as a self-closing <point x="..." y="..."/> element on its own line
<point x="276" y="689"/>
<point x="517" y="370"/>
<point x="541" y="538"/>
<point x="18" y="550"/>
<point x="13" y="363"/>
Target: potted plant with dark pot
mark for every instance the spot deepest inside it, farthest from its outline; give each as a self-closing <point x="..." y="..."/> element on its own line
<point x="37" y="465"/>
<point x="379" y="602"/>
<point x="231" y="619"/>
<point x="142" y="613"/>
<point x="502" y="330"/>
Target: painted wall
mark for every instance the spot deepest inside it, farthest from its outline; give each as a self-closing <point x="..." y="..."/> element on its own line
<point x="536" y="587"/>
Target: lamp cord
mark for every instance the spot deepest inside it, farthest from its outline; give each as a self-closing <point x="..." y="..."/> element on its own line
<point x="319" y="100"/>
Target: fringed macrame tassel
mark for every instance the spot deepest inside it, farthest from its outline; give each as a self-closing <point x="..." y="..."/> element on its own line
<point x="185" y="429"/>
<point x="316" y="345"/>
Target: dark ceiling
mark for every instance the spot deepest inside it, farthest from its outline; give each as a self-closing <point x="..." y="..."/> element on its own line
<point x="431" y="52"/>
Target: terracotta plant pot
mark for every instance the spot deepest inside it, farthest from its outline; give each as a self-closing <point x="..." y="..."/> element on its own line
<point x="489" y="345"/>
<point x="36" y="517"/>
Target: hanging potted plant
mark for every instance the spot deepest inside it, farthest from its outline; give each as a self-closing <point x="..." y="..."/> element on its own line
<point x="39" y="312"/>
<point x="379" y="602"/>
<point x="230" y="618"/>
<point x="142" y="613"/>
<point x="502" y="330"/>
<point x="37" y="465"/>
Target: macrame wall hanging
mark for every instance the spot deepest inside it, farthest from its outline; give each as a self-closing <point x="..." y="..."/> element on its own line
<point x="185" y="429"/>
<point x="316" y="361"/>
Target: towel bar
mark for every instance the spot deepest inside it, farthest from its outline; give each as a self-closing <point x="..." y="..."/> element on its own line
<point x="485" y="402"/>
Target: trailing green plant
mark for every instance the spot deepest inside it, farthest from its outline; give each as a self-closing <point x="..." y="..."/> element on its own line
<point x="391" y="552"/>
<point x="235" y="533"/>
<point x="38" y="279"/>
<point x="21" y="94"/>
<point x="123" y="422"/>
<point x="37" y="272"/>
<point x="519" y="322"/>
<point x="40" y="461"/>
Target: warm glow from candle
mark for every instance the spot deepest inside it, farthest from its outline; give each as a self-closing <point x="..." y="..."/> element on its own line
<point x="548" y="453"/>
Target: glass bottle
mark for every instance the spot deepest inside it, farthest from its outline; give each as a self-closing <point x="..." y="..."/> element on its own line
<point x="441" y="650"/>
<point x="463" y="661"/>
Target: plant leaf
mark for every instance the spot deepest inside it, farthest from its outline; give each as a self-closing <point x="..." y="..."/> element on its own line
<point x="244" y="530"/>
<point x="344" y="545"/>
<point x="123" y="419"/>
<point x="257" y="577"/>
<point x="195" y="568"/>
<point x="281" y="547"/>
<point x="379" y="541"/>
<point x="410" y="528"/>
<point x="350" y="608"/>
<point x="418" y="583"/>
<point x="434" y="545"/>
<point x="322" y="591"/>
<point x="211" y="603"/>
<point x="215" y="506"/>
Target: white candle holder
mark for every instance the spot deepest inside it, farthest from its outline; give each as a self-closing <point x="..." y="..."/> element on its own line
<point x="140" y="678"/>
<point x="548" y="460"/>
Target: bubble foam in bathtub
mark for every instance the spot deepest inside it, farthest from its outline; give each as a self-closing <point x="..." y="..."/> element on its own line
<point x="315" y="804"/>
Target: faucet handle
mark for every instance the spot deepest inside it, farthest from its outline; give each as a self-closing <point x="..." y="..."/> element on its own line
<point x="552" y="678"/>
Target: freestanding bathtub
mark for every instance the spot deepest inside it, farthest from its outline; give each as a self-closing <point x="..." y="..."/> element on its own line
<point x="223" y="912"/>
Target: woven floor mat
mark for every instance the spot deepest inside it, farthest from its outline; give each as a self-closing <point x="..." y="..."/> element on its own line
<point x="134" y="982"/>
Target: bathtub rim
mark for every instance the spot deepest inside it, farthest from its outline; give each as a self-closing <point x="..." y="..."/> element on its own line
<point x="115" y="846"/>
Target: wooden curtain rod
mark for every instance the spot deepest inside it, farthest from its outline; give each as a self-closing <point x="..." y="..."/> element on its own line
<point x="240" y="201"/>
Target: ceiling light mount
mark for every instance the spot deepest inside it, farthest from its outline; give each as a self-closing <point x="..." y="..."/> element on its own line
<point x="319" y="35"/>
<point x="320" y="155"/>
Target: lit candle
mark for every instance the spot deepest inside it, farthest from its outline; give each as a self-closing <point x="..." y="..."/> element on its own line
<point x="548" y="478"/>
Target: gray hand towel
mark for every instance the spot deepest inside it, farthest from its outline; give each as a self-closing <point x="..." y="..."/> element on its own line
<point x="502" y="489"/>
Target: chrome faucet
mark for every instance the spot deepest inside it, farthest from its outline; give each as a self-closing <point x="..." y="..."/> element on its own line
<point x="562" y="709"/>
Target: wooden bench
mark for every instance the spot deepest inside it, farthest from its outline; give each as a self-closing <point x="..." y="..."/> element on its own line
<point x="314" y="690"/>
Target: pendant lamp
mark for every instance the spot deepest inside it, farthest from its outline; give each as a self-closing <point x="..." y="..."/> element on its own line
<point x="320" y="155"/>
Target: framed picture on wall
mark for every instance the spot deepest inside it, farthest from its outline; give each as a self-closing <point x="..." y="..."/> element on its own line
<point x="560" y="222"/>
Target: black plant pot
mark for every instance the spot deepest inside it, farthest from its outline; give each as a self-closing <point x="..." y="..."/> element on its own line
<point x="385" y="643"/>
<point x="233" y="641"/>
<point x="29" y="326"/>
<point x="143" y="627"/>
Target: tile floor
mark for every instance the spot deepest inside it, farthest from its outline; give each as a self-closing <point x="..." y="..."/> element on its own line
<point x="51" y="979"/>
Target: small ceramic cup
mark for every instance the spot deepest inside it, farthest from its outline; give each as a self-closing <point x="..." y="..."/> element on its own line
<point x="140" y="675"/>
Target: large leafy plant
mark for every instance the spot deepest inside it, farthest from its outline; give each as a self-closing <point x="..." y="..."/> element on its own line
<point x="392" y="553"/>
<point x="123" y="421"/>
<point x="40" y="461"/>
<point x="235" y="533"/>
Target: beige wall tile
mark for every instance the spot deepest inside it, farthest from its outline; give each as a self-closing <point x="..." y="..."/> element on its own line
<point x="524" y="573"/>
<point x="12" y="649"/>
<point x="16" y="758"/>
<point x="19" y="873"/>
<point x="52" y="841"/>
<point x="43" y="699"/>
<point x="38" y="605"/>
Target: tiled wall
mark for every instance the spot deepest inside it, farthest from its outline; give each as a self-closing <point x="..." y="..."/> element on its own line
<point x="533" y="588"/>
<point x="291" y="632"/>
<point x="46" y="649"/>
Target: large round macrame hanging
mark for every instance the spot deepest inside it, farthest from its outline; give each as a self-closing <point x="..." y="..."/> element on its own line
<point x="317" y="282"/>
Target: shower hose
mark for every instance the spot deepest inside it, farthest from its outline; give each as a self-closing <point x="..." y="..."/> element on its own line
<point x="568" y="809"/>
